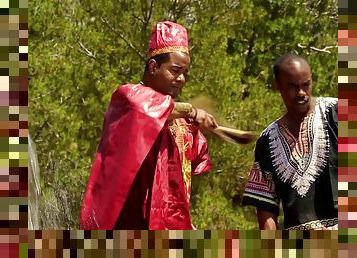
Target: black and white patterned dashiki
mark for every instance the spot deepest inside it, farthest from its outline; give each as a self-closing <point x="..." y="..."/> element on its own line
<point x="299" y="173"/>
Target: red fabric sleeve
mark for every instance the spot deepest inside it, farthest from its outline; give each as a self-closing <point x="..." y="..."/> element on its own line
<point x="133" y="121"/>
<point x="202" y="162"/>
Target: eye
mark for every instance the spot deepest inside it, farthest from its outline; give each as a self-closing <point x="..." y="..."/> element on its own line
<point x="175" y="70"/>
<point x="307" y="84"/>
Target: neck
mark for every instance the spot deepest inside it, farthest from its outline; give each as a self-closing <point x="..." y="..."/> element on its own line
<point x="146" y="80"/>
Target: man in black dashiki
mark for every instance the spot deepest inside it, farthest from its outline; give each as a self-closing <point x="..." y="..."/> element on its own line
<point x="296" y="156"/>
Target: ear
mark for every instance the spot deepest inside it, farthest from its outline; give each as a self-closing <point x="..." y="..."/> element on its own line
<point x="152" y="66"/>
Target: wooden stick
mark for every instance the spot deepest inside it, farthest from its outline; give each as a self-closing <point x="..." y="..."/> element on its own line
<point x="233" y="135"/>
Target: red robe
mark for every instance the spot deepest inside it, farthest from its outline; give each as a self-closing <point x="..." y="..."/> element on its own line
<point x="136" y="180"/>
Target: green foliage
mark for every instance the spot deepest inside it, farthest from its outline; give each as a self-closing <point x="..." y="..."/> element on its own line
<point x="81" y="50"/>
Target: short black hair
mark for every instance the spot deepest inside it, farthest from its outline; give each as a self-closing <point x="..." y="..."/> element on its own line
<point x="160" y="59"/>
<point x="287" y="58"/>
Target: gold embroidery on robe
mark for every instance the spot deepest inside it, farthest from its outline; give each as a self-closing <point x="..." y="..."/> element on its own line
<point x="178" y="130"/>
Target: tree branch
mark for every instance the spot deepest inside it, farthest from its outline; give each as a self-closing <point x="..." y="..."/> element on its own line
<point x="139" y="18"/>
<point x="146" y="14"/>
<point x="86" y="51"/>
<point x="148" y="17"/>
<point x="324" y="50"/>
<point x="142" y="57"/>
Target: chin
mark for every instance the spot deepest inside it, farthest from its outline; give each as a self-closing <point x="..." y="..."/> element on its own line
<point x="302" y="110"/>
<point x="173" y="94"/>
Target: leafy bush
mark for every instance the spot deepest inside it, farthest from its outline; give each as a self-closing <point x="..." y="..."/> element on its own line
<point x="82" y="50"/>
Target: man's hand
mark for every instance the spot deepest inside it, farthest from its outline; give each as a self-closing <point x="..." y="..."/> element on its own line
<point x="204" y="119"/>
<point x="267" y="220"/>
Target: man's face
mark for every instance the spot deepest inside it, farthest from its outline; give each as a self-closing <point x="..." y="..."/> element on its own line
<point x="170" y="76"/>
<point x="295" y="86"/>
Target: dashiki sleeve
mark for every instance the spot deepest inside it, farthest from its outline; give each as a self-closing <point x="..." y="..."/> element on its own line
<point x="260" y="188"/>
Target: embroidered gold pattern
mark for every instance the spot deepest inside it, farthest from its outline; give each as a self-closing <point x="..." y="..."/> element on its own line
<point x="178" y="130"/>
<point x="167" y="50"/>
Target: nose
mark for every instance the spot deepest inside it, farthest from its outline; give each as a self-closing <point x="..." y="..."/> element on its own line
<point x="301" y="92"/>
<point x="181" y="78"/>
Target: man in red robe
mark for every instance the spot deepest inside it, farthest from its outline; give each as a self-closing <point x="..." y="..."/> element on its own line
<point x="150" y="146"/>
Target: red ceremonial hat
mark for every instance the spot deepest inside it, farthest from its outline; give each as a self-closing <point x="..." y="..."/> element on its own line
<point x="167" y="37"/>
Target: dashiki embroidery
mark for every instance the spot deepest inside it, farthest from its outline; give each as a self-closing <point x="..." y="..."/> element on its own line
<point x="317" y="224"/>
<point x="296" y="171"/>
<point x="299" y="161"/>
<point x="260" y="186"/>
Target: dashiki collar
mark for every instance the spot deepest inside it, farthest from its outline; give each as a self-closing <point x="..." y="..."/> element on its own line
<point x="300" y="161"/>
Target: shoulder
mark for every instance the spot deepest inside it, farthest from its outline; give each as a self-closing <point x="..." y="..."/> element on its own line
<point x="328" y="106"/>
<point x="123" y="91"/>
<point x="132" y="90"/>
<point x="129" y="91"/>
<point x="141" y="97"/>
<point x="326" y="102"/>
<point x="144" y="100"/>
<point x="269" y="130"/>
<point x="263" y="140"/>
